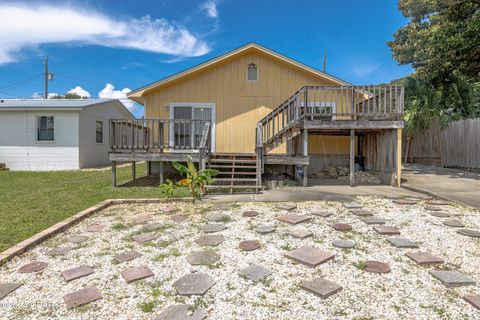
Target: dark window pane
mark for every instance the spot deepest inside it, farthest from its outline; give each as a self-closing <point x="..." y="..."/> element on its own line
<point x="99" y="132"/>
<point x="45" y="128"/>
<point x="182" y="113"/>
<point x="252" y="72"/>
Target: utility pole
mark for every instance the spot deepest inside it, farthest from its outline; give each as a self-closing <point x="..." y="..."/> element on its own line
<point x="48" y="76"/>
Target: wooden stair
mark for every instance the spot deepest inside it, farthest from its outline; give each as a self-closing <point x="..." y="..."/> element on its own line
<point x="281" y="136"/>
<point x="237" y="173"/>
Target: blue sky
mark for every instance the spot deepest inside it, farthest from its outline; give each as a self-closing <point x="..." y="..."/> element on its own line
<point x="130" y="43"/>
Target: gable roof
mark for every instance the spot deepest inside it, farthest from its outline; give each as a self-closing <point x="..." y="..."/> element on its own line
<point x="135" y="94"/>
<point x="58" y="104"/>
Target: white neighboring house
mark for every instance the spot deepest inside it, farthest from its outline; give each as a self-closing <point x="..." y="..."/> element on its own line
<point x="57" y="134"/>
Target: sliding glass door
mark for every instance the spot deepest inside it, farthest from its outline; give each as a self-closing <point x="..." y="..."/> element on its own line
<point x="182" y="130"/>
<point x="187" y="134"/>
<point x="200" y="113"/>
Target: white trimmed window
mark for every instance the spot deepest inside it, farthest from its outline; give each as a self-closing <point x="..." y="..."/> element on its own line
<point x="99" y="131"/>
<point x="45" y="128"/>
<point x="252" y="72"/>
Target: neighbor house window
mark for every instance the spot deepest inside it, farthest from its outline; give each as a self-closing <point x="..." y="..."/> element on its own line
<point x="99" y="132"/>
<point x="45" y="128"/>
<point x="252" y="72"/>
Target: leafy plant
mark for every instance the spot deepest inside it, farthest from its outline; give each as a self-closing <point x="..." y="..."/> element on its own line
<point x="360" y="265"/>
<point x="196" y="179"/>
<point x="147" y="306"/>
<point x="168" y="188"/>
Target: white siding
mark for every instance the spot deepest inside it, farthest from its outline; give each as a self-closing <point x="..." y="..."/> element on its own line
<point x="91" y="152"/>
<point x="20" y="150"/>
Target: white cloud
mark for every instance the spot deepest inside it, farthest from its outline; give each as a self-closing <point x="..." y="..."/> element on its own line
<point x="38" y="95"/>
<point x="109" y="92"/>
<point x="210" y="8"/>
<point x="29" y="26"/>
<point x="80" y="91"/>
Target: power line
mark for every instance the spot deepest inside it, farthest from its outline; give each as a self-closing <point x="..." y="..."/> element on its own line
<point x="19" y="83"/>
<point x="79" y="79"/>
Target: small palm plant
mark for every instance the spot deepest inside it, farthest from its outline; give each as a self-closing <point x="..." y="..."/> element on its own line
<point x="196" y="179"/>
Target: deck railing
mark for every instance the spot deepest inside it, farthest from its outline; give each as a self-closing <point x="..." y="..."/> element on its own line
<point x="330" y="103"/>
<point x="158" y="135"/>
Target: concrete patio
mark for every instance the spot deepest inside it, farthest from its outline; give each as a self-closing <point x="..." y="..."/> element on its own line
<point x="455" y="185"/>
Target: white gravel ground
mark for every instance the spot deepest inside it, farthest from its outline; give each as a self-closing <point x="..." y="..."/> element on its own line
<point x="407" y="292"/>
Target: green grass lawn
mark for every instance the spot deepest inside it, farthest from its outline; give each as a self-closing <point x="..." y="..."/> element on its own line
<point x="33" y="201"/>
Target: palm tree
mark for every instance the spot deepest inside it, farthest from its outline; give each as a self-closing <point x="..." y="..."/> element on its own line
<point x="422" y="106"/>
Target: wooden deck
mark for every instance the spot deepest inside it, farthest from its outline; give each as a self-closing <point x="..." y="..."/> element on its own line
<point x="371" y="112"/>
<point x="370" y="115"/>
<point x="153" y="156"/>
<point x="351" y="124"/>
<point x="159" y="140"/>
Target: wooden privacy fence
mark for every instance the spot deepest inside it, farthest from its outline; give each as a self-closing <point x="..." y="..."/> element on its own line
<point x="379" y="150"/>
<point x="456" y="146"/>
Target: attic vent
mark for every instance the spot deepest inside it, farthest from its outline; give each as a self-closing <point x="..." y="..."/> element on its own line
<point x="252" y="72"/>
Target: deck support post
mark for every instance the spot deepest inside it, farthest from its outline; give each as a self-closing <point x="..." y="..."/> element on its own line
<point x="134" y="173"/>
<point x="161" y="172"/>
<point x="114" y="174"/>
<point x="352" y="157"/>
<point x="398" y="160"/>
<point x="305" y="153"/>
<point x="259" y="168"/>
<point x="260" y="158"/>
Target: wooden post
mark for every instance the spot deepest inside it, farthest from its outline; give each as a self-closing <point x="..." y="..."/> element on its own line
<point x="133" y="135"/>
<point x="305" y="153"/>
<point x="352" y="157"/>
<point x="354" y="111"/>
<point x="259" y="168"/>
<point x="114" y="173"/>
<point x="259" y="149"/>
<point x="134" y="173"/>
<point x="149" y="168"/>
<point x="399" y="157"/>
<point x="305" y="109"/>
<point x="161" y="172"/>
<point x="201" y="159"/>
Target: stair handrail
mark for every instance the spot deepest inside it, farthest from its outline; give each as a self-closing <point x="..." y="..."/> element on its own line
<point x="284" y="116"/>
<point x="283" y="104"/>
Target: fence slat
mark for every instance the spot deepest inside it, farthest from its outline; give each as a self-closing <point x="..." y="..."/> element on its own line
<point x="456" y="146"/>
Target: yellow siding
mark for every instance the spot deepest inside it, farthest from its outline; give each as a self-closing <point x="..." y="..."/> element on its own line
<point x="239" y="104"/>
